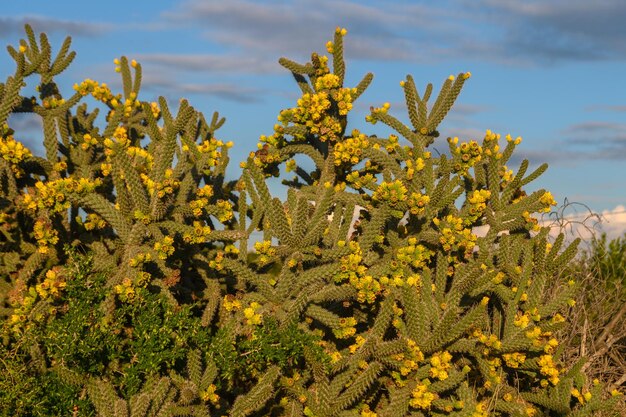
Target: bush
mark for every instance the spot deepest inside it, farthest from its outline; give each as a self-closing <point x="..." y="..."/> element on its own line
<point x="403" y="310"/>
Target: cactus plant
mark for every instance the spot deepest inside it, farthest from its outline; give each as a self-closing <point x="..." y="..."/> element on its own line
<point x="369" y="294"/>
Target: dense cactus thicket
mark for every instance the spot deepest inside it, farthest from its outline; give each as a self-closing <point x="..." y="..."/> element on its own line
<point x="132" y="285"/>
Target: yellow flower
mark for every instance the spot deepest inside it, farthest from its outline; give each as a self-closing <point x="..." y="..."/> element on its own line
<point x="421" y="397"/>
<point x="231" y="303"/>
<point x="14" y="153"/>
<point x="514" y="360"/>
<point x="440" y="364"/>
<point x="209" y="395"/>
<point x="548" y="368"/>
<point x="251" y="316"/>
<point x="547" y="200"/>
<point x="164" y="248"/>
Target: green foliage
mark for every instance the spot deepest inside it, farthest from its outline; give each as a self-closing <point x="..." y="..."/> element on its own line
<point x="143" y="338"/>
<point x="371" y="293"/>
<point x="26" y="392"/>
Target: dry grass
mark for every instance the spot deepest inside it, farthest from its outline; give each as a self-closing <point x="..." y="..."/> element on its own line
<point x="597" y="329"/>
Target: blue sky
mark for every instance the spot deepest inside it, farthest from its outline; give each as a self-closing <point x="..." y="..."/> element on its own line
<point x="549" y="71"/>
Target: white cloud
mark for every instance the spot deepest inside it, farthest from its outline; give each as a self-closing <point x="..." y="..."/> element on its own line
<point x="614" y="222"/>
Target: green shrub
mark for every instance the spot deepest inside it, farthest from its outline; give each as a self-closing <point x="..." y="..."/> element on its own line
<point x="402" y="311"/>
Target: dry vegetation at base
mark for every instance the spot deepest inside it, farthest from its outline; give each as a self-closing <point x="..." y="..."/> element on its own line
<point x="597" y="322"/>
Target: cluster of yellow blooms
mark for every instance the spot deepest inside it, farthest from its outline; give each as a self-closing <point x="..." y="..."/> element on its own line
<point x="93" y="222"/>
<point x="216" y="263"/>
<point x="145" y="218"/>
<point x="494" y="376"/>
<point x="367" y="288"/>
<point x="131" y="104"/>
<point x="223" y="210"/>
<point x="165" y="247"/>
<point x="351" y="266"/>
<point x="346" y="328"/>
<point x="88" y="141"/>
<point x="547" y="200"/>
<point x="477" y="203"/>
<point x="421" y="397"/>
<point x="142" y="159"/>
<point x="161" y="188"/>
<point x="201" y="232"/>
<point x="202" y="200"/>
<point x="265" y="251"/>
<point x="392" y="144"/>
<point x="390" y="192"/>
<point x="358" y="181"/>
<point x="312" y="110"/>
<point x="52" y="103"/>
<point x="53" y="194"/>
<point x="409" y="362"/>
<point x="251" y="315"/>
<point x="417" y="203"/>
<point x="351" y="149"/>
<point x="312" y="113"/>
<point x="343" y="98"/>
<point x="231" y="303"/>
<point x="581" y="397"/>
<point x="491" y="146"/>
<point x="209" y="395"/>
<point x="46" y="235"/>
<point x="50" y="289"/>
<point x="127" y="290"/>
<point x="522" y="319"/>
<point x="100" y="92"/>
<point x="209" y="147"/>
<point x="542" y="339"/>
<point x="358" y="342"/>
<point x="440" y="365"/>
<point x="327" y="82"/>
<point x="466" y="155"/>
<point x="414" y="254"/>
<point x="290" y="165"/>
<point x="52" y="285"/>
<point x="481" y="410"/>
<point x="490" y="341"/>
<point x="14" y="153"/>
<point x="120" y="136"/>
<point x="506" y="176"/>
<point x="397" y="321"/>
<point x="352" y="270"/>
<point x="454" y="236"/>
<point x="548" y="369"/>
<point x="140" y="259"/>
<point x="415" y="165"/>
<point x="514" y="360"/>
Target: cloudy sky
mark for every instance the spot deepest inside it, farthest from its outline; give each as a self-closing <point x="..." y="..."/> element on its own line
<point x="549" y="71"/>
